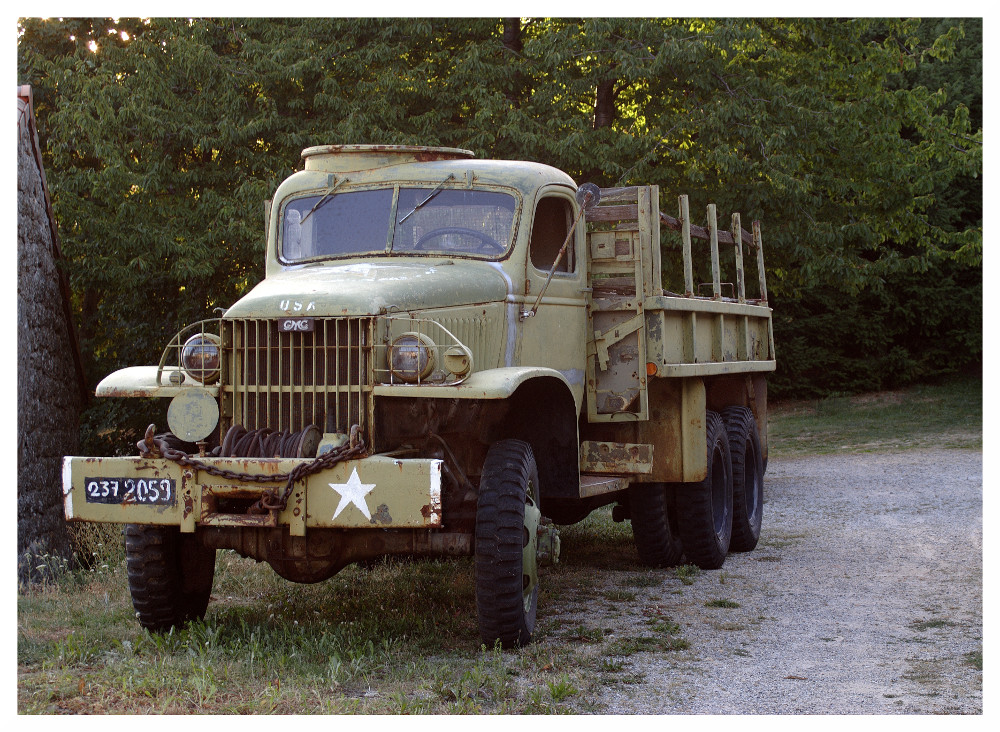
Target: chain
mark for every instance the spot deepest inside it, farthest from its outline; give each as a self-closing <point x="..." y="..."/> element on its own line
<point x="152" y="447"/>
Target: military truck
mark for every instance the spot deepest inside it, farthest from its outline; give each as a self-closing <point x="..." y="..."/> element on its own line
<point x="449" y="356"/>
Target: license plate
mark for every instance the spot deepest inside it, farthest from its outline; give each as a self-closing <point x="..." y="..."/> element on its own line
<point x="144" y="491"/>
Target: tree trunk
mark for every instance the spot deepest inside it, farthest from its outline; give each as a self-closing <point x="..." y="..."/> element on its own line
<point x="604" y="106"/>
<point x="513" y="43"/>
<point x="512" y="34"/>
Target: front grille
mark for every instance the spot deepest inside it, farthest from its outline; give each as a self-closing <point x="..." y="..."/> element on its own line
<point x="289" y="380"/>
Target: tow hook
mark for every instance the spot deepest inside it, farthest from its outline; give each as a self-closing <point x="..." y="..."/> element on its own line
<point x="548" y="543"/>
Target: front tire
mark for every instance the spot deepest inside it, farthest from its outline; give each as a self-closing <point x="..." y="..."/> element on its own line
<point x="706" y="508"/>
<point x="656" y="541"/>
<point x="170" y="576"/>
<point x="507" y="519"/>
<point x="748" y="478"/>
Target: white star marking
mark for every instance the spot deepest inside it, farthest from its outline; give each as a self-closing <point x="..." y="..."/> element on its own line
<point x="353" y="491"/>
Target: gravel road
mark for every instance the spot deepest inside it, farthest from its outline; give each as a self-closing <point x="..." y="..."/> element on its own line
<point x="864" y="596"/>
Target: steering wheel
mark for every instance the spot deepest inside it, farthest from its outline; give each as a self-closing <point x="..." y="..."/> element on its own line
<point x="484" y="239"/>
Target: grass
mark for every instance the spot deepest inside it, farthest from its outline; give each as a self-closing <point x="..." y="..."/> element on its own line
<point x="947" y="416"/>
<point x="394" y="638"/>
<point x="928" y="624"/>
<point x="975" y="659"/>
<point x="387" y="640"/>
<point x="722" y="603"/>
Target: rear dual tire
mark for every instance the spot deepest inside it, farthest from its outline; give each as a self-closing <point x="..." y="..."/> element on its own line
<point x="748" y="478"/>
<point x="656" y="539"/>
<point x="706" y="508"/>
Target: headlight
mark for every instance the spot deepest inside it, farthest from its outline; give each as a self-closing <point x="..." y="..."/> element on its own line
<point x="201" y="357"/>
<point x="411" y="357"/>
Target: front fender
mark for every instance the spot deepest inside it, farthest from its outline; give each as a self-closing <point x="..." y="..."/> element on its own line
<point x="142" y="381"/>
<point x="490" y="384"/>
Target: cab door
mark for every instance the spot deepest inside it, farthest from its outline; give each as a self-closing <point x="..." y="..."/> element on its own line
<point x="555" y="336"/>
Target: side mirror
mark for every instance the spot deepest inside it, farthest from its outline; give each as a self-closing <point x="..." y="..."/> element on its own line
<point x="588" y="195"/>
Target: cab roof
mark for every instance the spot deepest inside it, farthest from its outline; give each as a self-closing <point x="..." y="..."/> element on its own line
<point x="370" y="163"/>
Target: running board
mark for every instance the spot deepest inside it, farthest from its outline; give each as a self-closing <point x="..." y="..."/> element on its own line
<point x="599" y="485"/>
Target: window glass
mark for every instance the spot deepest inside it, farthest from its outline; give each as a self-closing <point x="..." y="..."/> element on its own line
<point x="343" y="224"/>
<point x="471" y="222"/>
<point x="553" y="219"/>
<point x="442" y="221"/>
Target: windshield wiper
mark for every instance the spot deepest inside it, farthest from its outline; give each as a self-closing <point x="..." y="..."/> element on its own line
<point x="326" y="197"/>
<point x="429" y="197"/>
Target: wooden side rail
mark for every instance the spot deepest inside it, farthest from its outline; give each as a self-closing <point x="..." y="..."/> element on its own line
<point x="700" y="232"/>
<point x="714" y="236"/>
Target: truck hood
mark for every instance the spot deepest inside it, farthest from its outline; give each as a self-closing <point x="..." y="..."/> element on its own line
<point x="372" y="288"/>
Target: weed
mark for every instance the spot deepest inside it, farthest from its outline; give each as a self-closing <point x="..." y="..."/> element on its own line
<point x="634" y="644"/>
<point x="485" y="681"/>
<point x="584" y="634"/>
<point x="636" y="677"/>
<point x="619" y="596"/>
<point x="202" y="679"/>
<point x="46" y="570"/>
<point x="782" y="540"/>
<point x="666" y="627"/>
<point x="643" y="580"/>
<point x="643" y="644"/>
<point x="728" y="626"/>
<point x="687" y="572"/>
<point x="97" y="544"/>
<point x="722" y="603"/>
<point x="561" y="689"/>
<point x="536" y="702"/>
<point x="975" y="659"/>
<point x="928" y="624"/>
<point x="73" y="651"/>
<point x="610" y="665"/>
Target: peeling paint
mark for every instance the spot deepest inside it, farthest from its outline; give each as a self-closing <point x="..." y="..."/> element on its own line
<point x="574" y="377"/>
<point x="382" y="515"/>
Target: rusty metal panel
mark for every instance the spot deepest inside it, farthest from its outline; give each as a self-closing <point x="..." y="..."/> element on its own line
<point x="693" y="431"/>
<point x="616" y="458"/>
<point x="376" y="492"/>
<point x="617" y="366"/>
<point x="675" y="431"/>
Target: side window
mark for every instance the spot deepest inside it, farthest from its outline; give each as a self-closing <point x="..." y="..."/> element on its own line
<point x="553" y="219"/>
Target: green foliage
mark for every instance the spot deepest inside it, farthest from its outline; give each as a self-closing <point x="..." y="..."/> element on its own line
<point x="857" y="143"/>
<point x="917" y="328"/>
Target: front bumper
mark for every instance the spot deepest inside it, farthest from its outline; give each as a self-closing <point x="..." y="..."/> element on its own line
<point x="375" y="492"/>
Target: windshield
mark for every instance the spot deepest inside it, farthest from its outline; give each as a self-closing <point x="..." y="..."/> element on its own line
<point x="455" y="222"/>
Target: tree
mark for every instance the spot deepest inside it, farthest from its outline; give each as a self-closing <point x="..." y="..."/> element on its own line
<point x="833" y="132"/>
